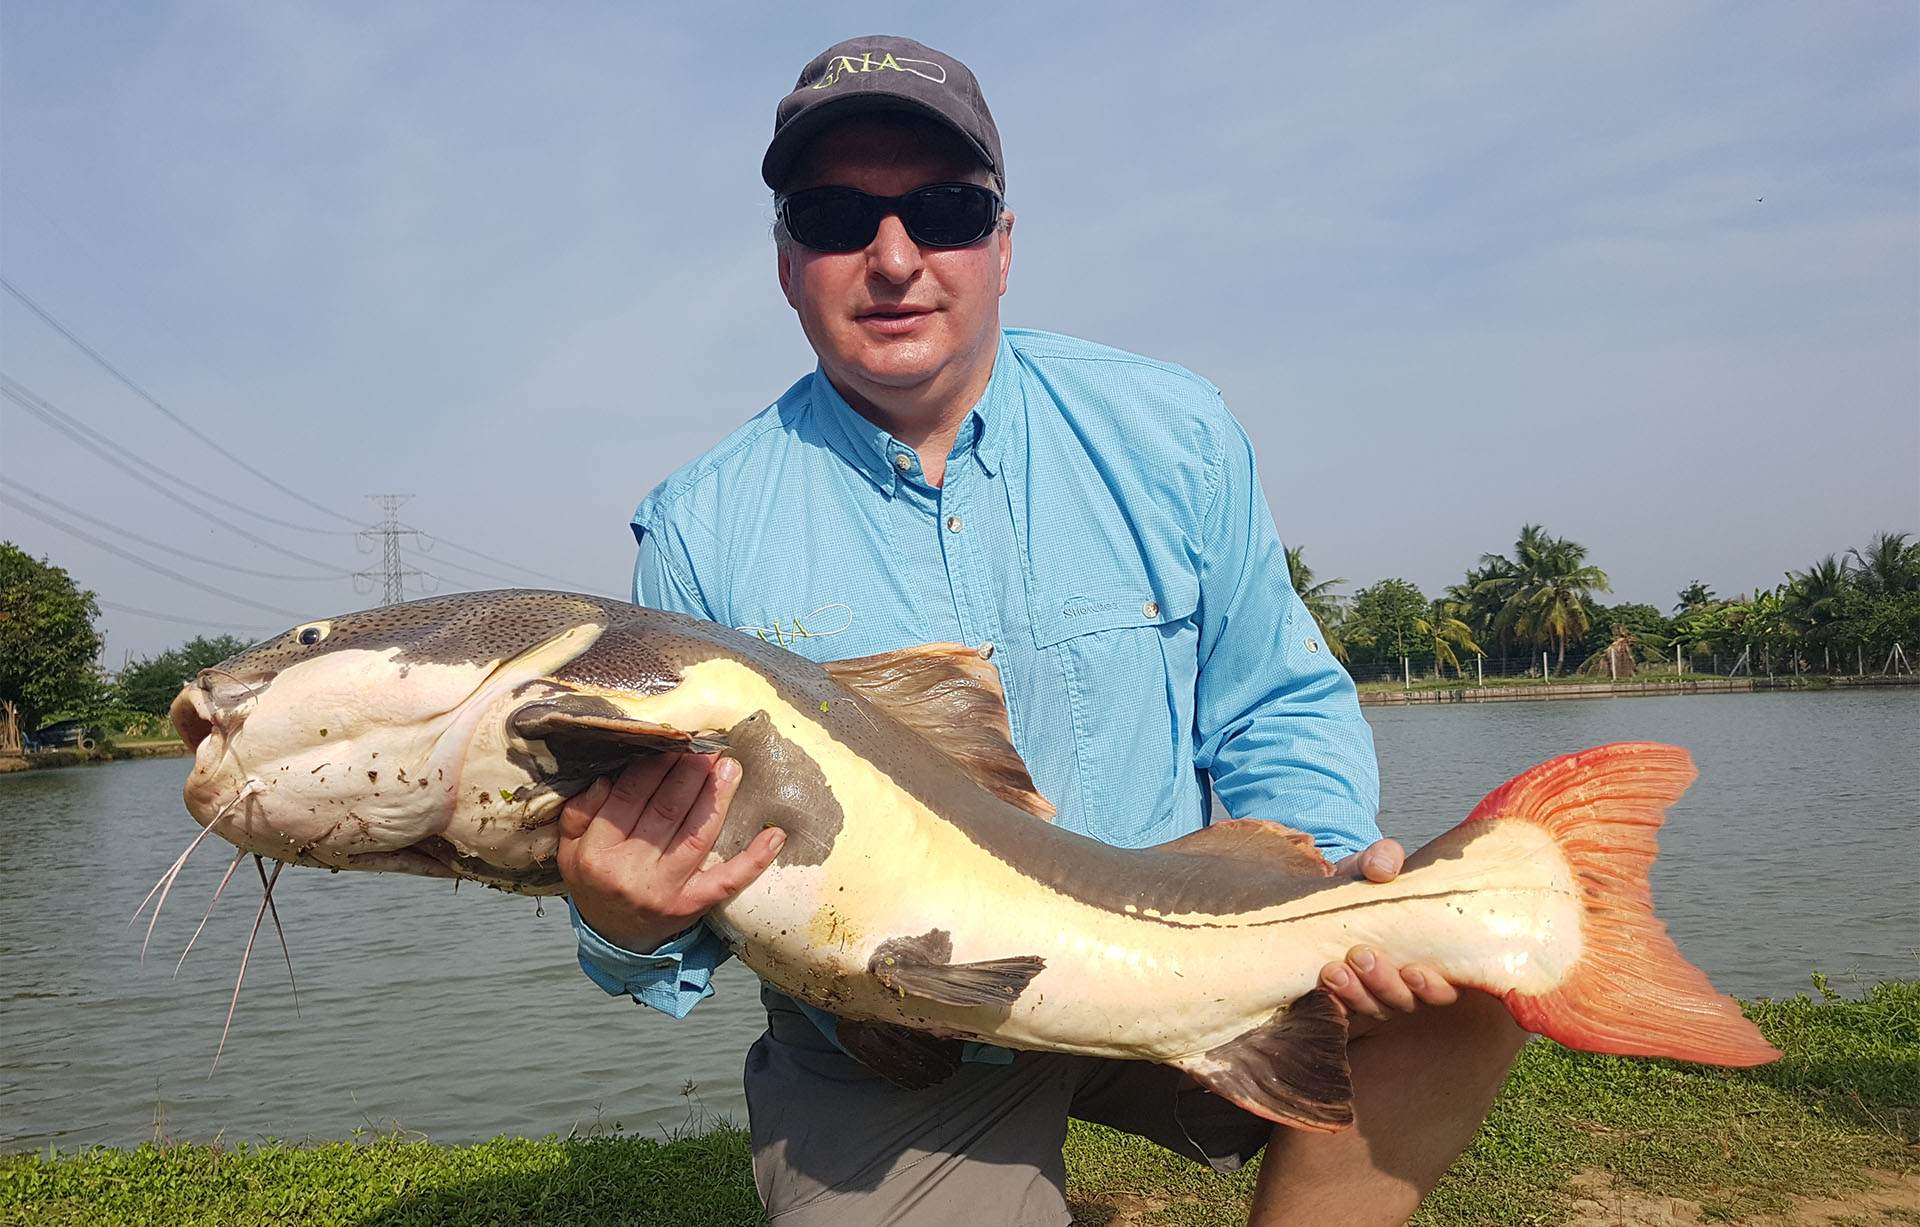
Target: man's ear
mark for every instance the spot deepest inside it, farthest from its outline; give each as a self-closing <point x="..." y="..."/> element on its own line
<point x="1006" y="247"/>
<point x="784" y="264"/>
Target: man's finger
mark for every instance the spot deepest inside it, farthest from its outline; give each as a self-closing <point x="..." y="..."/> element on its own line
<point x="729" y="878"/>
<point x="673" y="800"/>
<point x="1382" y="861"/>
<point x="1429" y="985"/>
<point x="1382" y="980"/>
<point x="632" y="789"/>
<point x="705" y="817"/>
<point x="579" y="812"/>
<point x="1341" y="981"/>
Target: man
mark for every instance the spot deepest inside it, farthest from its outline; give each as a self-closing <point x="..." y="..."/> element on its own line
<point x="1093" y="520"/>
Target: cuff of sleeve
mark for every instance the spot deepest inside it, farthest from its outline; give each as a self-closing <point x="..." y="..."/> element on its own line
<point x="672" y="979"/>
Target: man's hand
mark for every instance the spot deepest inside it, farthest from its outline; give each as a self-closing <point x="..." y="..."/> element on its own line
<point x="632" y="850"/>
<point x="1368" y="983"/>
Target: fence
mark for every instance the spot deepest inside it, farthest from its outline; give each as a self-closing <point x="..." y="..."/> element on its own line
<point x="1477" y="670"/>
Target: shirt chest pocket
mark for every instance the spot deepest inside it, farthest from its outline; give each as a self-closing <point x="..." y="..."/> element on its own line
<point x="1126" y="653"/>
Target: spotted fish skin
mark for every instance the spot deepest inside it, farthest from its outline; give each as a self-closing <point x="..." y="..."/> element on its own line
<point x="918" y="887"/>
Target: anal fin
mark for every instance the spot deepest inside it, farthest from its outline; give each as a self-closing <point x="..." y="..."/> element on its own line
<point x="920" y="967"/>
<point x="911" y="1060"/>
<point x="1292" y="1069"/>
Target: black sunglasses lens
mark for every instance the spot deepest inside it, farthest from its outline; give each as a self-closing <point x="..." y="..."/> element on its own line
<point x="832" y="218"/>
<point x="949" y="214"/>
<point x="845" y="219"/>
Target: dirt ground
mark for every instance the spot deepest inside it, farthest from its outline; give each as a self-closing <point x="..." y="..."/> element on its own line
<point x="1894" y="1199"/>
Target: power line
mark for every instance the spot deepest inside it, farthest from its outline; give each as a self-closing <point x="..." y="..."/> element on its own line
<point x="135" y="559"/>
<point x="111" y="527"/>
<point x="47" y="412"/>
<point x="40" y="408"/>
<point x="201" y="622"/>
<point x="48" y="319"/>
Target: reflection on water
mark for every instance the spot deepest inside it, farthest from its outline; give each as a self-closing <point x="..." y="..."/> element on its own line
<point x="462" y="1014"/>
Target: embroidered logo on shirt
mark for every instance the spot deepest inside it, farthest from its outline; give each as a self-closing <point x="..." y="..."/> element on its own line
<point x="1080" y="607"/>
<point x="784" y="632"/>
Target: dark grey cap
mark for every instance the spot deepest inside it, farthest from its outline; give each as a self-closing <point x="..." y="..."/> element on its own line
<point x="880" y="73"/>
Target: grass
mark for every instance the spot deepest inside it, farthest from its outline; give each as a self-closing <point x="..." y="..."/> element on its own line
<point x="1846" y="1098"/>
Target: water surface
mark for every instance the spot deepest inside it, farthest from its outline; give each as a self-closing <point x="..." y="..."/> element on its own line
<point x="461" y="1014"/>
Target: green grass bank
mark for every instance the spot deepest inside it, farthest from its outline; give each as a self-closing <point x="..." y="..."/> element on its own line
<point x="1840" y="1112"/>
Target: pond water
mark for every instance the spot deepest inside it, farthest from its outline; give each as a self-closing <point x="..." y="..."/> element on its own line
<point x="461" y="1014"/>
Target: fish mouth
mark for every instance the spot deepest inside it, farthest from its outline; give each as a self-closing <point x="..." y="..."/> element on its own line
<point x="192" y="714"/>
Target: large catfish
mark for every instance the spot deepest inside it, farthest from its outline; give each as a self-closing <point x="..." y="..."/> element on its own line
<point x="920" y="894"/>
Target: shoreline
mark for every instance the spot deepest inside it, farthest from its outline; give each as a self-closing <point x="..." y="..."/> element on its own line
<point x="46" y="759"/>
<point x="1516" y="692"/>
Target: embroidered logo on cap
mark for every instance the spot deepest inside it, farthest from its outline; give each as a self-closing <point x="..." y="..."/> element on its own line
<point x="840" y="66"/>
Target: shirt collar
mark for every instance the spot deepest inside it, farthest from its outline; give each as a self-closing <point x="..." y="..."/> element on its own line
<point x="876" y="453"/>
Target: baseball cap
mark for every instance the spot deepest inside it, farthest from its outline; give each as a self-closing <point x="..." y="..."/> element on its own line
<point x="880" y="72"/>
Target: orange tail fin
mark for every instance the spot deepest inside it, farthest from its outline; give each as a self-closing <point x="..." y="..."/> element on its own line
<point x="1631" y="992"/>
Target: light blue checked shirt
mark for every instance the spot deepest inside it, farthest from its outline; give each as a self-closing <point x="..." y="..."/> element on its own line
<point x="1101" y="525"/>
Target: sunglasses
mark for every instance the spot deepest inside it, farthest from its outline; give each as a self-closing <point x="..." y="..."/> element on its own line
<point x="847" y="219"/>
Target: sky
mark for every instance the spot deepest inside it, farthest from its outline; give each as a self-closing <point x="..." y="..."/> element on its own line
<point x="1647" y="274"/>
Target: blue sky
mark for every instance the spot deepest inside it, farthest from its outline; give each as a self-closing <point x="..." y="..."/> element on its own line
<point x="1647" y="273"/>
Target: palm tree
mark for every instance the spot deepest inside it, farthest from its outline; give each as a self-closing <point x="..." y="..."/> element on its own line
<point x="1889" y="567"/>
<point x="1478" y="598"/>
<point x="1546" y="602"/>
<point x="1441" y="627"/>
<point x="1812" y="599"/>
<point x="1327" y="609"/>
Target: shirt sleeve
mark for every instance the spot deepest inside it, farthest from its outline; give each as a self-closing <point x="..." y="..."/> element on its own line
<point x="672" y="979"/>
<point x="1281" y="733"/>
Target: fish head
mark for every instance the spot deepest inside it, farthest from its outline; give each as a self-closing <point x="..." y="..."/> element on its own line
<point x="384" y="739"/>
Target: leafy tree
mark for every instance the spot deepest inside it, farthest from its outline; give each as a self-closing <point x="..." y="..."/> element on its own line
<point x="1477" y="600"/>
<point x="1546" y="600"/>
<point x="1889" y="567"/>
<point x="1694" y="596"/>
<point x="1650" y="631"/>
<point x="1328" y="609"/>
<point x="1385" y="616"/>
<point x="150" y="685"/>
<point x="1811" y="600"/>
<point x="47" y="640"/>
<point x="1441" y="631"/>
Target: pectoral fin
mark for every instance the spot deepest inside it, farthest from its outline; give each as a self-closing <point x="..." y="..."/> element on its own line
<point x="577" y="726"/>
<point x="1292" y="1069"/>
<point x="919" y="967"/>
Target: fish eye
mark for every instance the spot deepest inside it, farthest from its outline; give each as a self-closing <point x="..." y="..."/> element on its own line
<point x="311" y="634"/>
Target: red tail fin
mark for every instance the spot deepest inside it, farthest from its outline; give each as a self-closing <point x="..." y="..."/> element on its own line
<point x="1631" y="992"/>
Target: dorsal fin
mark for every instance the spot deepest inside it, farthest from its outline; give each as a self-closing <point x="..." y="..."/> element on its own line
<point x="951" y="697"/>
<point x="1247" y="839"/>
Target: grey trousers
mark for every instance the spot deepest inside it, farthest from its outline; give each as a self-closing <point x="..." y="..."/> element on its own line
<point x="836" y="1145"/>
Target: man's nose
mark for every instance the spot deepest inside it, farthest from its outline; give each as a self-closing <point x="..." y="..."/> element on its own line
<point x="893" y="254"/>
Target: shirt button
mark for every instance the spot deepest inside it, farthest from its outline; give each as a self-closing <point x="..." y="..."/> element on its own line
<point x="903" y="462"/>
<point x="953" y="524"/>
<point x="1151" y="609"/>
<point x="1312" y="646"/>
<point x="985" y="649"/>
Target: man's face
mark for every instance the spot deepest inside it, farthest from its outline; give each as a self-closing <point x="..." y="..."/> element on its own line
<point x="897" y="326"/>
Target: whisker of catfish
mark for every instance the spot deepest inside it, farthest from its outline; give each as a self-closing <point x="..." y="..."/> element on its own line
<point x="179" y="862"/>
<point x="251" y="692"/>
<point x="164" y="885"/>
<point x="238" y="981"/>
<point x="232" y="865"/>
<point x="266" y="884"/>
